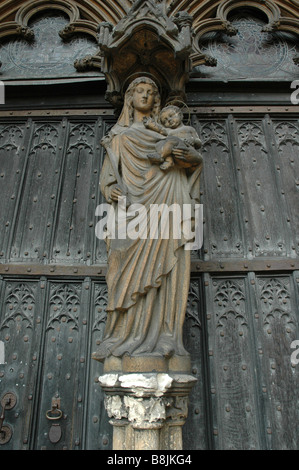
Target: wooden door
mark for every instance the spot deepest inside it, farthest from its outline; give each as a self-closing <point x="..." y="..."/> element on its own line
<point x="242" y="314"/>
<point x="52" y="298"/>
<point x="248" y="289"/>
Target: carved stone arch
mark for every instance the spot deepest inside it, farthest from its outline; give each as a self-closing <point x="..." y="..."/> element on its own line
<point x="203" y="27"/>
<point x="84" y="16"/>
<point x="206" y="9"/>
<point x="33" y="7"/>
<point x="20" y="26"/>
<point x="94" y="11"/>
<point x="276" y="22"/>
<point x="222" y="23"/>
<point x="27" y="11"/>
<point x="269" y="8"/>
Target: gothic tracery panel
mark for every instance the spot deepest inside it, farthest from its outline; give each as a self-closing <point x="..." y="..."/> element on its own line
<point x="259" y="195"/>
<point x="286" y="136"/>
<point x="251" y="54"/>
<point x="276" y="327"/>
<point x="232" y="372"/>
<point x="222" y="231"/>
<point x="47" y="55"/>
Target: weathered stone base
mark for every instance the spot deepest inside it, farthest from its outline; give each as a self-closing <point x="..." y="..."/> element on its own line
<point x="147" y="410"/>
<point x="174" y="364"/>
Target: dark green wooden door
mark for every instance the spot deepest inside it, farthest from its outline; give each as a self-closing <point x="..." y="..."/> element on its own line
<point x="242" y="313"/>
<point x="249" y="289"/>
<point x="51" y="320"/>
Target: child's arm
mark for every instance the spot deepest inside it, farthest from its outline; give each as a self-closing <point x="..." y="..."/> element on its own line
<point x="151" y="124"/>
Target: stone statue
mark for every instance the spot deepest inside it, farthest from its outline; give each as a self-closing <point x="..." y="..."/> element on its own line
<point x="148" y="277"/>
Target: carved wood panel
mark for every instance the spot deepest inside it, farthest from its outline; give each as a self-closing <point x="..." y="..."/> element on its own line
<point x="250" y="187"/>
<point x="45" y="215"/>
<point x="13" y="141"/>
<point x="252" y="322"/>
<point x="285" y="134"/>
<point x="21" y="327"/>
<point x="235" y="424"/>
<point x="197" y="430"/>
<point x="276" y="327"/>
<point x="218" y="193"/>
<point x="49" y="330"/>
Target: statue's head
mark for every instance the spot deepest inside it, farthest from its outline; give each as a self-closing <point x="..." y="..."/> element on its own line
<point x="171" y="116"/>
<point x="133" y="88"/>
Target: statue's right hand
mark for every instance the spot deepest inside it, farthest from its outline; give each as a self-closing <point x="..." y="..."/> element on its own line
<point x="116" y="192"/>
<point x="105" y="141"/>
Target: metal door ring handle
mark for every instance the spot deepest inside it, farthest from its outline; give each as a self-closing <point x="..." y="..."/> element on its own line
<point x="53" y="414"/>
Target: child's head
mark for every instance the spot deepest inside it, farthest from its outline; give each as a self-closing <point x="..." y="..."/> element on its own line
<point x="171" y="116"/>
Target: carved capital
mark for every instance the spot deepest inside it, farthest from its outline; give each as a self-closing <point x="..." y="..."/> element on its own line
<point x="88" y="63"/>
<point x="147" y="410"/>
<point x="177" y="410"/>
<point x="103" y="34"/>
<point x="274" y="26"/>
<point x="183" y="20"/>
<point x="147" y="413"/>
<point x="210" y="61"/>
<point x="25" y="32"/>
<point x="229" y="29"/>
<point x="67" y="32"/>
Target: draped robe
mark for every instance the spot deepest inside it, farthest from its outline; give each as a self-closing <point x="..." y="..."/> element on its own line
<point x="148" y="279"/>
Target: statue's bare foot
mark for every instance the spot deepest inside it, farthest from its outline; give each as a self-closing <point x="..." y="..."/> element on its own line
<point x="166" y="165"/>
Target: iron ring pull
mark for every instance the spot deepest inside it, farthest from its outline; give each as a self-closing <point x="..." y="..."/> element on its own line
<point x="54" y="413"/>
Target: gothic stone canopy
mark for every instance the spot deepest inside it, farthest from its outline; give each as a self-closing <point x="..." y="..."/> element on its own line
<point x="147" y="41"/>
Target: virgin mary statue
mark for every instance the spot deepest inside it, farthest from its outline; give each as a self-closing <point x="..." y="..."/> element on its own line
<point x="148" y="276"/>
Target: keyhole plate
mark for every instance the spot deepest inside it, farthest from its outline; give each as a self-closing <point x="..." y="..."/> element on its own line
<point x="5" y="434"/>
<point x="55" y="433"/>
<point x="8" y="401"/>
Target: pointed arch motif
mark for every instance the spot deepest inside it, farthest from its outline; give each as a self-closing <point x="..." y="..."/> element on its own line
<point x="114" y="10"/>
<point x="77" y="24"/>
<point x="86" y="15"/>
<point x="220" y="22"/>
<point x="20" y="25"/>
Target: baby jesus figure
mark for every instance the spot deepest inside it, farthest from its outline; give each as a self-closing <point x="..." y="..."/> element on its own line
<point x="177" y="135"/>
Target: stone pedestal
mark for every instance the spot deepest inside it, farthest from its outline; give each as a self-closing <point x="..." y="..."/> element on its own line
<point x="147" y="410"/>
